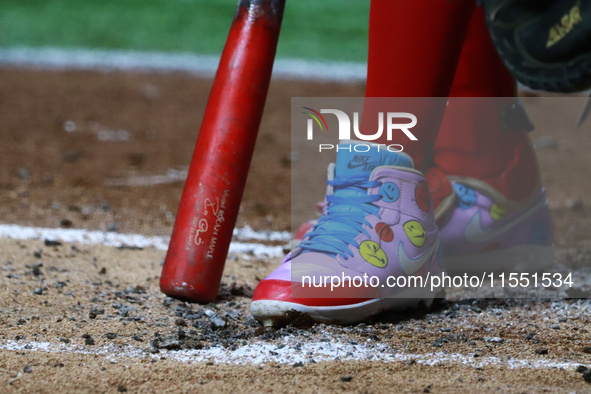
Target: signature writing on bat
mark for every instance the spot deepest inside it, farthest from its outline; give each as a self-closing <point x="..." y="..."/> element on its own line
<point x="213" y="217"/>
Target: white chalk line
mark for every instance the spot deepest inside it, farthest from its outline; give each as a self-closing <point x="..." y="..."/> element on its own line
<point x="285" y="351"/>
<point x="171" y="176"/>
<point x="88" y="237"/>
<point x="201" y="65"/>
<point x="53" y="58"/>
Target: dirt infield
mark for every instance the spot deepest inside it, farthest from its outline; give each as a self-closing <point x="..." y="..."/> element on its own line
<point x="87" y="150"/>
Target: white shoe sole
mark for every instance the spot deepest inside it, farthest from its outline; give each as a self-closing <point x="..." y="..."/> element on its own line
<point x="273" y="313"/>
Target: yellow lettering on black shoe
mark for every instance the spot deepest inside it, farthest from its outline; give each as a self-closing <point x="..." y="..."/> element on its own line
<point x="565" y="26"/>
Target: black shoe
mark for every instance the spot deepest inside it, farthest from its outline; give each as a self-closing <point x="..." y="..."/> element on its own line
<point x="545" y="44"/>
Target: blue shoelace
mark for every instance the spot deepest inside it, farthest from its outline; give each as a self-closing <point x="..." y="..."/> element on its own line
<point x="338" y="228"/>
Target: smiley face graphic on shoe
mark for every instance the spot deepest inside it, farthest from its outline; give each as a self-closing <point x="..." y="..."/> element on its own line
<point x="466" y="196"/>
<point x="497" y="212"/>
<point x="373" y="253"/>
<point x="415" y="232"/>
<point x="389" y="192"/>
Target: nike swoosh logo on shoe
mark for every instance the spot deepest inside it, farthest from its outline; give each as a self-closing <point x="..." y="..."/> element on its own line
<point x="410" y="265"/>
<point x="476" y="234"/>
<point x="357" y="165"/>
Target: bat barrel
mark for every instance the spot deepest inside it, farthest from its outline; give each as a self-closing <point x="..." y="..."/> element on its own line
<point x="217" y="175"/>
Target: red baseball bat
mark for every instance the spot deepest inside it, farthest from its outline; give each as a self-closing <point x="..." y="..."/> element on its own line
<point x="211" y="198"/>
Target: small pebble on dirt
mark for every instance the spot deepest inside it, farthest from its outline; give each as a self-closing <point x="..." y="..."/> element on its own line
<point x="218" y="322"/>
<point x="24" y="173"/>
<point x="581" y="369"/>
<point x="168" y="344"/>
<point x="66" y="223"/>
<point x="575" y="205"/>
<point x="88" y="339"/>
<point x="37" y="269"/>
<point x="97" y="310"/>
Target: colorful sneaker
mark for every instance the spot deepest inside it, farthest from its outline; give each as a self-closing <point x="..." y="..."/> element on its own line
<point x="489" y="203"/>
<point x="377" y="224"/>
<point x="483" y="231"/>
